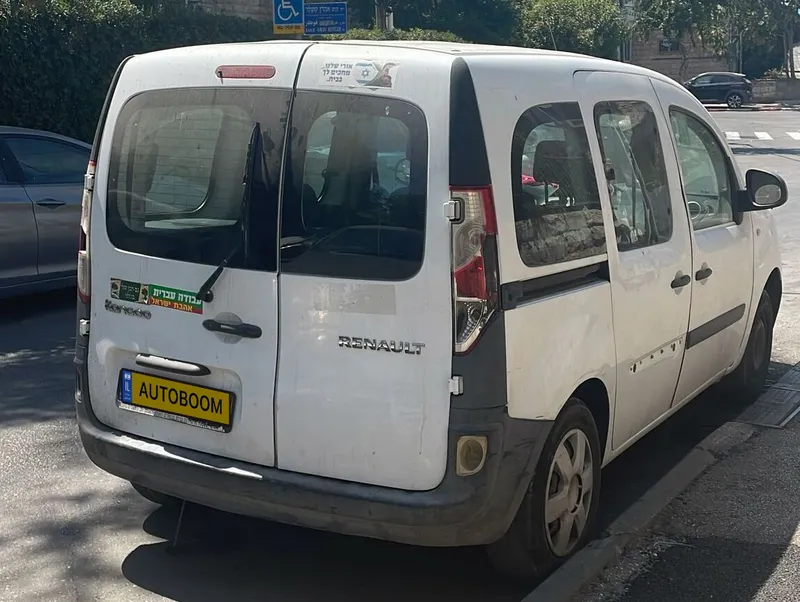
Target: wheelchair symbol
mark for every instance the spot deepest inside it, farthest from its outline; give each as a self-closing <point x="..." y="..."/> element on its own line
<point x="287" y="11"/>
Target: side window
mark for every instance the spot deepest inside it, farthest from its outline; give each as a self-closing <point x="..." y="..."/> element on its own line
<point x="556" y="201"/>
<point x="45" y="161"/>
<point x="636" y="175"/>
<point x="704" y="168"/>
<point x="356" y="191"/>
<point x="703" y="81"/>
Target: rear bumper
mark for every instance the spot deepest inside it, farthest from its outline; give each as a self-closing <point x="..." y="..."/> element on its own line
<point x="460" y="511"/>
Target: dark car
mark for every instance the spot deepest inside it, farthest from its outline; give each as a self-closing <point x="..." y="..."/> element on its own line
<point x="734" y="89"/>
<point x="41" y="183"/>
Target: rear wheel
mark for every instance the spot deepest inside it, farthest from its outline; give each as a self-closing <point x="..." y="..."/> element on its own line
<point x="751" y="375"/>
<point x="558" y="513"/>
<point x="734" y="100"/>
<point x="162" y="499"/>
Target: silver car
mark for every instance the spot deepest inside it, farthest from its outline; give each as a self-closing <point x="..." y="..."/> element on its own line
<point x="41" y="183"/>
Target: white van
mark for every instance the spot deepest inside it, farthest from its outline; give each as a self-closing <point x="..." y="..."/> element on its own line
<point x="419" y="292"/>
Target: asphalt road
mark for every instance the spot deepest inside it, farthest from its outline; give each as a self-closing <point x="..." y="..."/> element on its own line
<point x="70" y="532"/>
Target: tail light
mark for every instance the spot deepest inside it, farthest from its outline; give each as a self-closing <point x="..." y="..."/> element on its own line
<point x="84" y="274"/>
<point x="474" y="263"/>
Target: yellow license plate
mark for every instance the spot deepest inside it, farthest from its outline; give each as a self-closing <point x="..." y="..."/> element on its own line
<point x="175" y="400"/>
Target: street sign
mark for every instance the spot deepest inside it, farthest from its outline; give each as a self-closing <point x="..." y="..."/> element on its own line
<point x="325" y="18"/>
<point x="287" y="16"/>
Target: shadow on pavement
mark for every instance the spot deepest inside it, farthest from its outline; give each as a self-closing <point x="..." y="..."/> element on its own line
<point x="36" y="350"/>
<point x="222" y="556"/>
<point x="751" y="150"/>
<point x="627" y="478"/>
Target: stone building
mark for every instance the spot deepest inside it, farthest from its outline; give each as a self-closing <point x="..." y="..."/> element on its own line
<point x="253" y="9"/>
<point x="679" y="60"/>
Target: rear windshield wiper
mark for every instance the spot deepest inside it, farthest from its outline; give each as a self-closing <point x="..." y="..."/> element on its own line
<point x="205" y="293"/>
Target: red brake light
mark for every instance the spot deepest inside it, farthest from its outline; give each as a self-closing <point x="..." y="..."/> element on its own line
<point x="474" y="264"/>
<point x="245" y="72"/>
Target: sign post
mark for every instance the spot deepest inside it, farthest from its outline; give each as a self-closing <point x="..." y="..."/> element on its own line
<point x="288" y="17"/>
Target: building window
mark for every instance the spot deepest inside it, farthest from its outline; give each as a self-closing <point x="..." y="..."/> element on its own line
<point x="668" y="46"/>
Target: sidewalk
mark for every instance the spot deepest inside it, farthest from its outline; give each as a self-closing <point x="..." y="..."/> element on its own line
<point x="733" y="536"/>
<point x="786" y="105"/>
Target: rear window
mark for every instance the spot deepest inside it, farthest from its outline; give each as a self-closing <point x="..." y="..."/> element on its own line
<point x="356" y="188"/>
<point x="354" y="203"/>
<point x="183" y="162"/>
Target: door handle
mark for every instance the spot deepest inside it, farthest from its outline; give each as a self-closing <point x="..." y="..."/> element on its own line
<point x="703" y="274"/>
<point x="169" y="365"/>
<point x="681" y="280"/>
<point x="246" y="331"/>
<point x="50" y="203"/>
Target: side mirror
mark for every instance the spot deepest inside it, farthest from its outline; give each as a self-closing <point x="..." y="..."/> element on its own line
<point x="765" y="190"/>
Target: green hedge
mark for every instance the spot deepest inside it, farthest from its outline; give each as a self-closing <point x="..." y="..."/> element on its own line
<point x="58" y="57"/>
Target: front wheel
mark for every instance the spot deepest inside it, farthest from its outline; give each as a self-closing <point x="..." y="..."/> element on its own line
<point x="558" y="513"/>
<point x="750" y="376"/>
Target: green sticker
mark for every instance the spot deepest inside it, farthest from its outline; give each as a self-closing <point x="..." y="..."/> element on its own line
<point x="174" y="298"/>
<point x="154" y="294"/>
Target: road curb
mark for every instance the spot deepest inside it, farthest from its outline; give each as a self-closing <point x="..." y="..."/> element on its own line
<point x="750" y="109"/>
<point x="586" y="565"/>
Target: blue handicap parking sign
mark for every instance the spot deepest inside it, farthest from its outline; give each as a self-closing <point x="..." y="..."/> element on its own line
<point x="287" y="16"/>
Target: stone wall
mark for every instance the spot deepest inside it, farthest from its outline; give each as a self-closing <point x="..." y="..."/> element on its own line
<point x="253" y="9"/>
<point x="775" y="90"/>
<point x="678" y="62"/>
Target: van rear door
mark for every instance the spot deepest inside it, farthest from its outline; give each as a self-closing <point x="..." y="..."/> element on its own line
<point x="187" y="182"/>
<point x="366" y="304"/>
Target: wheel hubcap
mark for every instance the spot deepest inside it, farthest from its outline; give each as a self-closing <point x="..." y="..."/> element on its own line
<point x="569" y="492"/>
<point x="736" y="101"/>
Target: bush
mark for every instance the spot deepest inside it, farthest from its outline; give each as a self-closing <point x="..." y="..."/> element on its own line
<point x="400" y="34"/>
<point x="58" y="56"/>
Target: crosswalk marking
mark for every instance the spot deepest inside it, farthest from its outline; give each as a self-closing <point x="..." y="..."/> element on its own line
<point x="733" y="136"/>
<point x="794" y="135"/>
<point x="763" y="136"/>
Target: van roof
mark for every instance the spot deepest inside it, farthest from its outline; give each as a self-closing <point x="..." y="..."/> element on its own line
<point x="452" y="48"/>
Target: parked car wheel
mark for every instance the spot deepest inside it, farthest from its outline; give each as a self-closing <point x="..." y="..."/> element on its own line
<point x="751" y="375"/>
<point x="559" y="510"/>
<point x="734" y="100"/>
<point x="162" y="499"/>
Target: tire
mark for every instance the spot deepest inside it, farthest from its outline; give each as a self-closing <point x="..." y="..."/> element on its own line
<point x="750" y="376"/>
<point x="531" y="549"/>
<point x="162" y="499"/>
<point x="734" y="100"/>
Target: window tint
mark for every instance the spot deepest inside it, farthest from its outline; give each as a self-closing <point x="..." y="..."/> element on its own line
<point x="704" y="167"/>
<point x="356" y="191"/>
<point x="702" y="81"/>
<point x="636" y="175"/>
<point x="556" y="201"/>
<point x="194" y="176"/>
<point x="45" y="161"/>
